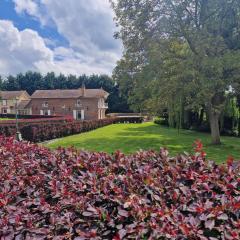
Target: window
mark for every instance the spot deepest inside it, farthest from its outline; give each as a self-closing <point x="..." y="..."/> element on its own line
<point x="69" y="109"/>
<point x="78" y="102"/>
<point x="45" y="104"/>
<point x="4" y="111"/>
<point x="46" y="112"/>
<point x="79" y="115"/>
<point x="4" y="102"/>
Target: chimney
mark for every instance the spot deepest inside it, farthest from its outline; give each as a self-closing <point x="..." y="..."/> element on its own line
<point x="83" y="89"/>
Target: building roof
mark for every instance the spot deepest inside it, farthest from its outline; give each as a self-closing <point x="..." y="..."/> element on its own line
<point x="23" y="104"/>
<point x="92" y="93"/>
<point x="71" y="93"/>
<point x="9" y="95"/>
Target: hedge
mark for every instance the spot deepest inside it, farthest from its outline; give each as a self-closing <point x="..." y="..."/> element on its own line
<point x="43" y="129"/>
<point x="32" y="116"/>
<point x="67" y="194"/>
<point x="46" y="131"/>
<point x="22" y="122"/>
<point x="130" y="119"/>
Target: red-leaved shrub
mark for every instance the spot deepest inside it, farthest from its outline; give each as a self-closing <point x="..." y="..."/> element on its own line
<point x="49" y="130"/>
<point x="42" y="129"/>
<point x="68" y="194"/>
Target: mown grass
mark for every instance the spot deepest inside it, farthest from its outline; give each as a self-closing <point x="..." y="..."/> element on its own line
<point x="130" y="138"/>
<point x="5" y="119"/>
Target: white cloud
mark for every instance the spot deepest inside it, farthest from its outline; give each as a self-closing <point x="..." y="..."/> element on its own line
<point x="26" y="5"/>
<point x="26" y="50"/>
<point x="88" y="27"/>
<point x="30" y="7"/>
<point x="21" y="50"/>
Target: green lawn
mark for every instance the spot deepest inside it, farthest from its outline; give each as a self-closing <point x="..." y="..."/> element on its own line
<point x="132" y="137"/>
<point x="4" y="119"/>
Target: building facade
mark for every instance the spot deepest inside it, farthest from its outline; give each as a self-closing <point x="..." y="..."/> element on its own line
<point x="12" y="101"/>
<point x="81" y="104"/>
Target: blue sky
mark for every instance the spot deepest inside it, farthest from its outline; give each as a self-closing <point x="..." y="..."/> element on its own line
<point x="45" y="35"/>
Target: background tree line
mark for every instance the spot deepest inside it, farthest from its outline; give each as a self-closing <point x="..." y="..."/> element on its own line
<point x="182" y="60"/>
<point x="32" y="81"/>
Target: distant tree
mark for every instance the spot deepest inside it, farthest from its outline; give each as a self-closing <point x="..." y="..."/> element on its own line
<point x="60" y="82"/>
<point x="32" y="81"/>
<point x="11" y="83"/>
<point x="49" y="80"/>
<point x="1" y="82"/>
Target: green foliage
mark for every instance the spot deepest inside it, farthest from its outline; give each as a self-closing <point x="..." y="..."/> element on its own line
<point x="32" y="81"/>
<point x="161" y="121"/>
<point x="179" y="55"/>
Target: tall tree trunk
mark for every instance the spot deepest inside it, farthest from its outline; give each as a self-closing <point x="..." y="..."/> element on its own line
<point x="239" y="124"/>
<point x="200" y="120"/>
<point x="214" y="118"/>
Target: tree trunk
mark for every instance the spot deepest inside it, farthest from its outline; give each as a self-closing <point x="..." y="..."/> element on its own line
<point x="239" y="124"/>
<point x="200" y="120"/>
<point x="214" y="125"/>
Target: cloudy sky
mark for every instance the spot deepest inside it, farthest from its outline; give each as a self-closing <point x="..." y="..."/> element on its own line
<point x="67" y="36"/>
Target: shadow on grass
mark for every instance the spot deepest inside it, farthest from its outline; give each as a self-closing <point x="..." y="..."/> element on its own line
<point x="126" y="145"/>
<point x="131" y="138"/>
<point x="161" y="130"/>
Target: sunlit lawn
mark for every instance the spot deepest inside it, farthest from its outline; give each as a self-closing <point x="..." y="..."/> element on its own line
<point x="4" y="119"/>
<point x="132" y="137"/>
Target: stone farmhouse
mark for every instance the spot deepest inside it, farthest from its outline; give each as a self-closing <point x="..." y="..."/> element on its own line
<point x="12" y="100"/>
<point x="81" y="104"/>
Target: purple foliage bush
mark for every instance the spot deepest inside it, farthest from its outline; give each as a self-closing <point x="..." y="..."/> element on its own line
<point x="67" y="194"/>
<point x="46" y="131"/>
<point x="38" y="130"/>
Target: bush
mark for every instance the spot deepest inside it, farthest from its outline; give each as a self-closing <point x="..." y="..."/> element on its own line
<point x="32" y="116"/>
<point x="161" y="121"/>
<point x="38" y="130"/>
<point x="35" y="120"/>
<point x="68" y="194"/>
<point x="129" y="119"/>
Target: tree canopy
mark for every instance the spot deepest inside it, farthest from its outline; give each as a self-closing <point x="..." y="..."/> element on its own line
<point x="180" y="55"/>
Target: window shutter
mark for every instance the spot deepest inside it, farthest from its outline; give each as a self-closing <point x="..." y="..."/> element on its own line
<point x="82" y="114"/>
<point x="75" y="114"/>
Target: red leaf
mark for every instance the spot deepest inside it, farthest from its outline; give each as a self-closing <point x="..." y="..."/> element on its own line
<point x="230" y="161"/>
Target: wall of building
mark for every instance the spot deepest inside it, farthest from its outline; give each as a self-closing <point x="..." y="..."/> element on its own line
<point x="9" y="105"/>
<point x="66" y="107"/>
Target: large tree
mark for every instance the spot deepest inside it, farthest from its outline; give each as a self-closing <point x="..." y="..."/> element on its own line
<point x="209" y="33"/>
